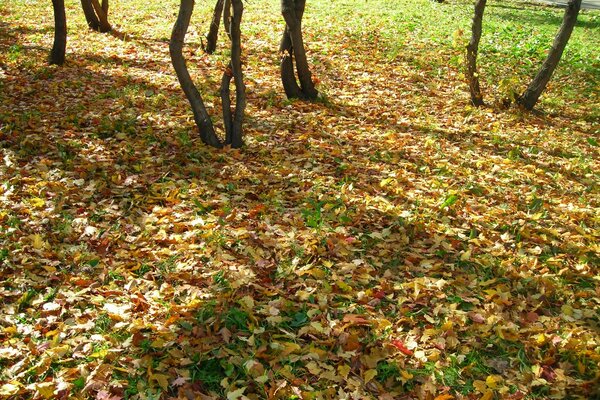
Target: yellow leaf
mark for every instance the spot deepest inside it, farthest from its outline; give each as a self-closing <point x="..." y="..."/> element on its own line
<point x="236" y="394"/>
<point x="540" y="339"/>
<point x="37" y="242"/>
<point x="488" y="395"/>
<point x="317" y="326"/>
<point x="289" y="348"/>
<point x="481" y="386"/>
<point x="369" y="375"/>
<point x="45" y="389"/>
<point x="385" y="182"/>
<point x="161" y="379"/>
<point x="9" y="389"/>
<point x="247" y="302"/>
<point x="492" y="381"/>
<point x="10" y="330"/>
<point x="58" y="351"/>
<point x="466" y="256"/>
<point x="406" y="374"/>
<point x="344" y="287"/>
<point x="37" y="202"/>
<point x="344" y="370"/>
<point x="99" y="354"/>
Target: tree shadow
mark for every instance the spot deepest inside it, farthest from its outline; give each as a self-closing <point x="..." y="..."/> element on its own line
<point x="544" y="16"/>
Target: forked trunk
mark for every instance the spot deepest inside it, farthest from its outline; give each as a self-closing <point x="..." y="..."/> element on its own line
<point x="57" y="55"/>
<point x="201" y="117"/>
<point x="102" y="15"/>
<point x="90" y="14"/>
<point x="472" y="50"/>
<point x="531" y="95"/>
<point x="293" y="50"/>
<point x="213" y="32"/>
<point x="227" y="18"/>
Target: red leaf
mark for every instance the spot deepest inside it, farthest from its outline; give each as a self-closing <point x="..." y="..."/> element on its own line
<point x="400" y="346"/>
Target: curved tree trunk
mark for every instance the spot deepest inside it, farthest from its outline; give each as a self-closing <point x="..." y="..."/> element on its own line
<point x="293" y="46"/>
<point x="531" y="95"/>
<point x="90" y="15"/>
<point x="213" y="32"/>
<point x="57" y="55"/>
<point x="201" y="117"/>
<point x="102" y="14"/>
<point x="472" y="49"/>
<point x="288" y="77"/>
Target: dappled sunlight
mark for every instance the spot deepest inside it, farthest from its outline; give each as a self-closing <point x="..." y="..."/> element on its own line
<point x="385" y="241"/>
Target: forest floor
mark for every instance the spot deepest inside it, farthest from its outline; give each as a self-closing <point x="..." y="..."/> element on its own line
<point x="387" y="241"/>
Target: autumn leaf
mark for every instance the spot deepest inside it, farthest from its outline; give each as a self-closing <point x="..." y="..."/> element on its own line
<point x="400" y="346"/>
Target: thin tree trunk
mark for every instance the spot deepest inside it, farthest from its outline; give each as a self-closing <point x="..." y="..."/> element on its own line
<point x="57" y="55"/>
<point x="227" y="18"/>
<point x="233" y="122"/>
<point x="105" y="7"/>
<point x="472" y="50"/>
<point x="102" y="17"/>
<point x="213" y="32"/>
<point x="90" y="14"/>
<point x="292" y="11"/>
<point x="531" y="95"/>
<point x="238" y="76"/>
<point x="201" y="117"/>
<point x="226" y="103"/>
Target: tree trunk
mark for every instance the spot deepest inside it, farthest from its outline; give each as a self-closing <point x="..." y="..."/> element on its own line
<point x="531" y="95"/>
<point x="292" y="11"/>
<point x="90" y="15"/>
<point x="472" y="49"/>
<point x="238" y="76"/>
<point x="233" y="122"/>
<point x="57" y="55"/>
<point x="227" y="18"/>
<point x="201" y="117"/>
<point x="105" y="7"/>
<point x="288" y="77"/>
<point x="102" y="16"/>
<point x="213" y="32"/>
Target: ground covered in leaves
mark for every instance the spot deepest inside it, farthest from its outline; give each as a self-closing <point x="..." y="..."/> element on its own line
<point x="388" y="241"/>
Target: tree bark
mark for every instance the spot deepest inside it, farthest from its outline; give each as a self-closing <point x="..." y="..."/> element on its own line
<point x="293" y="46"/>
<point x="233" y="121"/>
<point x="288" y="77"/>
<point x="105" y="7"/>
<point x="213" y="32"/>
<point x="201" y="117"/>
<point x="90" y="15"/>
<point x="57" y="55"/>
<point x="227" y="18"/>
<point x="472" y="50"/>
<point x="102" y="16"/>
<point x="238" y="76"/>
<point x="531" y="95"/>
